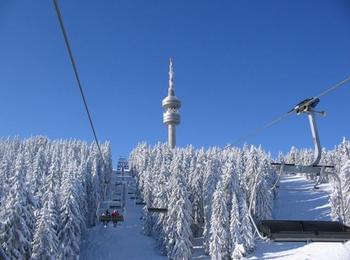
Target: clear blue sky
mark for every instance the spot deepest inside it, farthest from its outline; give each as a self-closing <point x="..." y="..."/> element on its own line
<point x="238" y="64"/>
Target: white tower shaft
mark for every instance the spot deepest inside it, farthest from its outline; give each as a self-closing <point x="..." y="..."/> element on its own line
<point x="172" y="135"/>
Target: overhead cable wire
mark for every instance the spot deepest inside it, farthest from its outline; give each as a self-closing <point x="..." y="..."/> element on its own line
<point x="76" y="74"/>
<point x="285" y="115"/>
<point x="334" y="87"/>
<point x="258" y="130"/>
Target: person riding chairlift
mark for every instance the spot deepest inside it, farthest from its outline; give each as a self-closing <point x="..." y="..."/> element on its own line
<point x="106" y="214"/>
<point x="115" y="213"/>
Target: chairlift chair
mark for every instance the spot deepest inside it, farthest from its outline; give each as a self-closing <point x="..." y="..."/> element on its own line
<point x="109" y="205"/>
<point x="104" y="218"/>
<point x="157" y="210"/>
<point x="301" y="230"/>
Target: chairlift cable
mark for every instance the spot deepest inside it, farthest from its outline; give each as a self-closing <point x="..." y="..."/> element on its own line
<point x="76" y="74"/>
<point x="262" y="128"/>
<point x="280" y="118"/>
<point x="334" y="87"/>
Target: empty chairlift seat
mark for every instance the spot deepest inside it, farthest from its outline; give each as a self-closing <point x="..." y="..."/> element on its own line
<point x="157" y="210"/>
<point x="304" y="231"/>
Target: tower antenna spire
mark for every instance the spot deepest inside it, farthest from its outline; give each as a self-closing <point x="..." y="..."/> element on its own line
<point x="171" y="78"/>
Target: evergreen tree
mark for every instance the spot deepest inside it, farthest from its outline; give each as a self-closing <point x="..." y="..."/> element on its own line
<point x="211" y="177"/>
<point x="45" y="243"/>
<point x="219" y="225"/>
<point x="236" y="247"/>
<point x="70" y="217"/>
<point x="345" y="179"/>
<point x="17" y="216"/>
<point x="247" y="235"/>
<point x="179" y="245"/>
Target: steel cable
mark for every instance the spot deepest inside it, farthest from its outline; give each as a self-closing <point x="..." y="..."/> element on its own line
<point x="76" y="74"/>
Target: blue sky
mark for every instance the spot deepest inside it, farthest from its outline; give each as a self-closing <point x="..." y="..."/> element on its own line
<point x="238" y="64"/>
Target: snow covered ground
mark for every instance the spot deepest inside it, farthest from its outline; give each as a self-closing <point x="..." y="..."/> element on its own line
<point x="297" y="200"/>
<point x="125" y="241"/>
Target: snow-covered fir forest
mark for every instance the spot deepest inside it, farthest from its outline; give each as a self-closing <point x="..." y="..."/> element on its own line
<point x="49" y="191"/>
<point x="208" y="193"/>
<point x="205" y="192"/>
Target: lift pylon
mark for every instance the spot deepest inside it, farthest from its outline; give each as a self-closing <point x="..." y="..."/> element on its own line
<point x="290" y="230"/>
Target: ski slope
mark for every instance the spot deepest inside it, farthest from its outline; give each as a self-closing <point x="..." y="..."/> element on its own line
<point x="125" y="241"/>
<point x="296" y="200"/>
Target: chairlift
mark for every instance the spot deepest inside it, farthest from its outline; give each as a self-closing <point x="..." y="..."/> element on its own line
<point x="305" y="231"/>
<point x="116" y="207"/>
<point x="157" y="210"/>
<point x="301" y="230"/>
<point x="105" y="206"/>
<point x="104" y="218"/>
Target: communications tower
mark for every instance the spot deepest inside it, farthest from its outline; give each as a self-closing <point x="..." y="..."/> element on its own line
<point x="171" y="105"/>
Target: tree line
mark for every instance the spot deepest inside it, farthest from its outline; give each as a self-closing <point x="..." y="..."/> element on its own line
<point x="207" y="193"/>
<point x="49" y="192"/>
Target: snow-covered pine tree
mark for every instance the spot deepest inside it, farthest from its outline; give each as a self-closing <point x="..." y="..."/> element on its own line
<point x="236" y="247"/>
<point x="178" y="230"/>
<point x="211" y="177"/>
<point x="247" y="235"/>
<point x="219" y="247"/>
<point x="230" y="180"/>
<point x="345" y="180"/>
<point x="36" y="176"/>
<point x="17" y="216"/>
<point x="160" y="201"/>
<point x="71" y="217"/>
<point x="264" y="195"/>
<point x="45" y="243"/>
<point x="196" y="188"/>
<point x="107" y="165"/>
<point x="148" y="195"/>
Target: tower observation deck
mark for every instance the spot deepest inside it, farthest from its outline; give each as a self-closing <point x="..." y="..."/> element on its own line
<point x="171" y="105"/>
